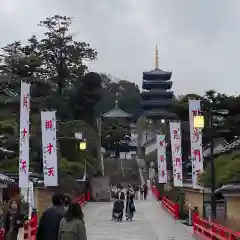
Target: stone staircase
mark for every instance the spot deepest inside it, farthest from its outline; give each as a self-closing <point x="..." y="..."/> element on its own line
<point x="123" y="171"/>
<point x="130" y="171"/>
<point x="112" y="169"/>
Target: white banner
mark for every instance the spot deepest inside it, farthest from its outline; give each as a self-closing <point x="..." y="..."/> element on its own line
<point x="24" y="135"/>
<point x="196" y="142"/>
<point x="176" y="147"/>
<point x="49" y="148"/>
<point x="161" y="155"/>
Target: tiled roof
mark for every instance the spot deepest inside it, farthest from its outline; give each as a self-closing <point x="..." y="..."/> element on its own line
<point x="116" y="112"/>
<point x="229" y="188"/>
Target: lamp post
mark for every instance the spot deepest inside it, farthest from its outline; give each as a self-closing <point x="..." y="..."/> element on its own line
<point x="83" y="148"/>
<point x="198" y="122"/>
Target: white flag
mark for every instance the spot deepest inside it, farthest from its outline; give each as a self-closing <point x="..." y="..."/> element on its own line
<point x="49" y="148"/>
<point x="176" y="147"/>
<point x="161" y="155"/>
<point x="196" y="142"/>
<point x="24" y="135"/>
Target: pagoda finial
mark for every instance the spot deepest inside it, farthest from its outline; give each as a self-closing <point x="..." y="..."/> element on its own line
<point x="156" y="56"/>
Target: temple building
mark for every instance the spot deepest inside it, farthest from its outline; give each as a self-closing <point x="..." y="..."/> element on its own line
<point x="157" y="96"/>
<point x="116" y="136"/>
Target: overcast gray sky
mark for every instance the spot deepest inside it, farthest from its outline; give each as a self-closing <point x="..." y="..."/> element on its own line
<point x="198" y="40"/>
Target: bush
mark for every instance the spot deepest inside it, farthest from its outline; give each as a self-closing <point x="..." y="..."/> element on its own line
<point x="227" y="168"/>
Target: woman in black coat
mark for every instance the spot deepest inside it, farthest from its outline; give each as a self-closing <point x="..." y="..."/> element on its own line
<point x="13" y="221"/>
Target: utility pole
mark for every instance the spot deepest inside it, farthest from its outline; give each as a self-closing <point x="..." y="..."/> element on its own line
<point x="139" y="137"/>
<point x="212" y="165"/>
<point x="100" y="159"/>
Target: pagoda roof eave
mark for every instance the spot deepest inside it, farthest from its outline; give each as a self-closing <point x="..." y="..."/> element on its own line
<point x="116" y="112"/>
<point x="158" y="71"/>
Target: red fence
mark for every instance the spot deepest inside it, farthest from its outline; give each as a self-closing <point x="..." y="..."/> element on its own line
<point x="83" y="199"/>
<point x="171" y="207"/>
<point x="30" y="230"/>
<point x="203" y="229"/>
<point x="156" y="193"/>
<point x="30" y="226"/>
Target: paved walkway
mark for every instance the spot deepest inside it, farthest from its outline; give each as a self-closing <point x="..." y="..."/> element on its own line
<point x="151" y="222"/>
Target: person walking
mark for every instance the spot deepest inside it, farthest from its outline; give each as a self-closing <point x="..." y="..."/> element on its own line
<point x="14" y="221"/>
<point x="122" y="199"/>
<point x="72" y="226"/>
<point x="130" y="207"/>
<point x="50" y="220"/>
<point x="145" y="191"/>
<point x="141" y="192"/>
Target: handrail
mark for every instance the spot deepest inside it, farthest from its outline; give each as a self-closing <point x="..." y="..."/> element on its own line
<point x="30" y="230"/>
<point x="209" y="230"/>
<point x="155" y="192"/>
<point x="30" y="226"/>
<point x="203" y="229"/>
<point x="172" y="207"/>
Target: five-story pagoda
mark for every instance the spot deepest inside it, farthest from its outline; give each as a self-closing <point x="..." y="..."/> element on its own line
<point x="157" y="96"/>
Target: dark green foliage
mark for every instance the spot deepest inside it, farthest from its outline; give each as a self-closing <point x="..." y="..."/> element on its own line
<point x="227" y="169"/>
<point x="127" y="93"/>
<point x="55" y="67"/>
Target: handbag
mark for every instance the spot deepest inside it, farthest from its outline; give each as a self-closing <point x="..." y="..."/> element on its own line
<point x="20" y="235"/>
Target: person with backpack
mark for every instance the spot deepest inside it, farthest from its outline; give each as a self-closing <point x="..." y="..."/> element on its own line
<point x="72" y="226"/>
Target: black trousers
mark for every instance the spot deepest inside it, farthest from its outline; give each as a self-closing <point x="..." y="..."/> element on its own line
<point x="145" y="195"/>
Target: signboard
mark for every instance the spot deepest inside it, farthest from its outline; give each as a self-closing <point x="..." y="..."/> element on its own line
<point x="24" y="135"/>
<point x="196" y="142"/>
<point x="49" y="148"/>
<point x="161" y="157"/>
<point x="176" y="147"/>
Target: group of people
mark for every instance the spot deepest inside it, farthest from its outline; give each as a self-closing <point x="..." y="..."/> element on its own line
<point x="62" y="221"/>
<point x="119" y="201"/>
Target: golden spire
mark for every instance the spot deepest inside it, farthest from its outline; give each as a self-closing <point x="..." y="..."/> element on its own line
<point x="156" y="56"/>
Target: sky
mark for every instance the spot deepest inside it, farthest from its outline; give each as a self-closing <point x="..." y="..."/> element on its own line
<point x="198" y="40"/>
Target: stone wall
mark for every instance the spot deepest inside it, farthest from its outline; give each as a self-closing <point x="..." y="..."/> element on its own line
<point x="195" y="199"/>
<point x="100" y="188"/>
<point x="233" y="212"/>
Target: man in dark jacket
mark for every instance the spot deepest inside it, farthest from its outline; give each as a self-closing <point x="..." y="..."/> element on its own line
<point x="50" y="220"/>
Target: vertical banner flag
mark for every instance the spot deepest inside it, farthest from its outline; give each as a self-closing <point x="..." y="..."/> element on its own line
<point x="196" y="142"/>
<point x="24" y="135"/>
<point x="161" y="155"/>
<point x="176" y="146"/>
<point x="49" y="148"/>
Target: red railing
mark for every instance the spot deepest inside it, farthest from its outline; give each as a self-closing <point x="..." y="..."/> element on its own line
<point x="172" y="208"/>
<point x="205" y="230"/>
<point x="30" y="230"/>
<point x="155" y="192"/>
<point x="83" y="198"/>
<point x="30" y="226"/>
